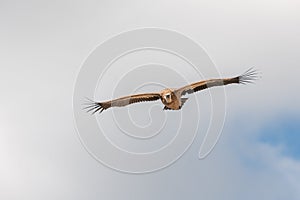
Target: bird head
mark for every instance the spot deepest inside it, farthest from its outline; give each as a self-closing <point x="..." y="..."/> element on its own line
<point x="168" y="97"/>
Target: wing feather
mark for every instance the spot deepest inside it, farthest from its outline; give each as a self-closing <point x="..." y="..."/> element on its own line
<point x="94" y="107"/>
<point x="247" y="77"/>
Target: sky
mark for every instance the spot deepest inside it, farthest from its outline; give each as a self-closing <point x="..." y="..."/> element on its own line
<point x="43" y="47"/>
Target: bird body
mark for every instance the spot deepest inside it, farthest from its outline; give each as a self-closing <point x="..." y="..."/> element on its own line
<point x="172" y="98"/>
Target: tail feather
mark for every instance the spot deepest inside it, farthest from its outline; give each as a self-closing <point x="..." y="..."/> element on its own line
<point x="167" y="108"/>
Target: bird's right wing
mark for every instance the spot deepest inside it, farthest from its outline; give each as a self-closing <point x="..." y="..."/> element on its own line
<point x="123" y="101"/>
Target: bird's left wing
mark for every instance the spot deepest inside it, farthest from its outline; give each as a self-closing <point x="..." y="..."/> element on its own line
<point x="249" y="76"/>
<point x="123" y="101"/>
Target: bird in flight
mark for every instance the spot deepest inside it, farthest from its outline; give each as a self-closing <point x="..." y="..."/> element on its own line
<point x="172" y="98"/>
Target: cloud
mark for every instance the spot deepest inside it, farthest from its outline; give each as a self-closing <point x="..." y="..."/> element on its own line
<point x="42" y="48"/>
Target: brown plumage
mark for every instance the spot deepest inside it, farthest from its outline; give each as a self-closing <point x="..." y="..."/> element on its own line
<point x="172" y="98"/>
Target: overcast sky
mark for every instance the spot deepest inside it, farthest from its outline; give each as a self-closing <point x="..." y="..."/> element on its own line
<point x="43" y="45"/>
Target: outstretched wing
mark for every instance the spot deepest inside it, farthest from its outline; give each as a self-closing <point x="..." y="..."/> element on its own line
<point x="123" y="101"/>
<point x="248" y="77"/>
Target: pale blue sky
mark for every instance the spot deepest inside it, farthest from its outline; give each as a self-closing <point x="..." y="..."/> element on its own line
<point x="284" y="132"/>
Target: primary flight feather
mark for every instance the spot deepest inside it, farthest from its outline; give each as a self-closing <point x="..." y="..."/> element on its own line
<point x="171" y="98"/>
